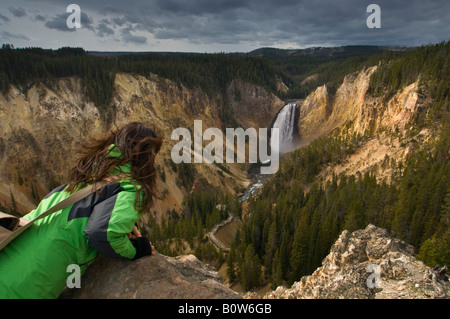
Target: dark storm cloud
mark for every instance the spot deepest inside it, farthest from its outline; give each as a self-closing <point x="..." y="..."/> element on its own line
<point x="39" y="18"/>
<point x="18" y="12"/>
<point x="262" y="22"/>
<point x="199" y="6"/>
<point x="302" y="22"/>
<point x="103" y="30"/>
<point x="59" y="22"/>
<point x="4" y="18"/>
<point x="128" y="37"/>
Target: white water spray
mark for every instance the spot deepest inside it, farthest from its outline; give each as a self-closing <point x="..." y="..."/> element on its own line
<point x="285" y="122"/>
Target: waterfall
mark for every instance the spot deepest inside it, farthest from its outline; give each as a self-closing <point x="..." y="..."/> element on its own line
<point x="285" y="122"/>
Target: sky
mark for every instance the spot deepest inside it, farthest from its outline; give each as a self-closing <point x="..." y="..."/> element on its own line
<point x="221" y="25"/>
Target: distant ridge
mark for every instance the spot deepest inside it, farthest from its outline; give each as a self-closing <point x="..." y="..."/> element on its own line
<point x="342" y="51"/>
<point x="119" y="53"/>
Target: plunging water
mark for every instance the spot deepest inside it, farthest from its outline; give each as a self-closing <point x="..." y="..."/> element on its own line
<point x="285" y="122"/>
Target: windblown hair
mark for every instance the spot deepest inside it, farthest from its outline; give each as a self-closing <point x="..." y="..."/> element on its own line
<point x="138" y="144"/>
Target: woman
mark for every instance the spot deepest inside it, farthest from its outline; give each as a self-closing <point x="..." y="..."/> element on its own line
<point x="35" y="264"/>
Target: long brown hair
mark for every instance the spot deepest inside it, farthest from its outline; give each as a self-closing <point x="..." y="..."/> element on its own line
<point x="138" y="145"/>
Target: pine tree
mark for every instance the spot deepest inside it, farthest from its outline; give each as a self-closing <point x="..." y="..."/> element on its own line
<point x="355" y="219"/>
<point x="231" y="272"/>
<point x="271" y="247"/>
<point x="277" y="271"/>
<point x="299" y="255"/>
<point x="250" y="269"/>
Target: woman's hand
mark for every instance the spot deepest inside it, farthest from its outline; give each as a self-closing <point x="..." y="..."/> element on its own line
<point x="135" y="232"/>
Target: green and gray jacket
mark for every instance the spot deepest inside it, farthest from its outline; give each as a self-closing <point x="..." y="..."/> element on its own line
<point x="35" y="264"/>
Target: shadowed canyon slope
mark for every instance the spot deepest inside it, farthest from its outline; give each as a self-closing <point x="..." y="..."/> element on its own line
<point x="41" y="128"/>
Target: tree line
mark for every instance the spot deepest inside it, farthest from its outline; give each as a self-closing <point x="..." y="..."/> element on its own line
<point x="211" y="73"/>
<point x="292" y="224"/>
<point x="430" y="64"/>
<point x="26" y="67"/>
<point x="305" y="70"/>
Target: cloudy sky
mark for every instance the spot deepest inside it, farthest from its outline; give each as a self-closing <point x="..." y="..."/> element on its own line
<point x="221" y="25"/>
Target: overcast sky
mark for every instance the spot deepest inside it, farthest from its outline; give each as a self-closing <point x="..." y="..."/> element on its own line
<point x="221" y="25"/>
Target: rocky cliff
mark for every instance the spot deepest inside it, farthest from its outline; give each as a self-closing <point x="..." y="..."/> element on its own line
<point x="41" y="128"/>
<point x="254" y="106"/>
<point x="368" y="264"/>
<point x="352" y="108"/>
<point x="365" y="264"/>
<point x="154" y="277"/>
<point x="385" y="123"/>
<point x="321" y="112"/>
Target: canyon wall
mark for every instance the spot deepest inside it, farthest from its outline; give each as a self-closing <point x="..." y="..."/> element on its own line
<point x="41" y="129"/>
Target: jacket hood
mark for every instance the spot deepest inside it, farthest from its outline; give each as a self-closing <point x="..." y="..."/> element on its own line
<point x="114" y="151"/>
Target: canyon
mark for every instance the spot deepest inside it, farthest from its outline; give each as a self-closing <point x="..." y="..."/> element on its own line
<point x="42" y="129"/>
<point x="42" y="126"/>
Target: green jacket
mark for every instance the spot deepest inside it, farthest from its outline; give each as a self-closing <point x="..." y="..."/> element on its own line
<point x="35" y="264"/>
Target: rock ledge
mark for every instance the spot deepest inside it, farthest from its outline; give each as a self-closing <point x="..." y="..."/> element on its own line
<point x="155" y="277"/>
<point x="369" y="264"/>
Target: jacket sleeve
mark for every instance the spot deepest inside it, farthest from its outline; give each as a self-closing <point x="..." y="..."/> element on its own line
<point x="109" y="224"/>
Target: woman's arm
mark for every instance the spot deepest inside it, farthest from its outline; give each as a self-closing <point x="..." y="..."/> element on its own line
<point x="109" y="225"/>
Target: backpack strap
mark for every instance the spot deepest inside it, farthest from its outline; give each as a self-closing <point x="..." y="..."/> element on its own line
<point x="72" y="199"/>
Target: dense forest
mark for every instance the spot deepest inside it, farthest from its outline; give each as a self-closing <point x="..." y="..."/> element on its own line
<point x="177" y="232"/>
<point x="304" y="70"/>
<point x="293" y="222"/>
<point x="301" y="70"/>
<point x="295" y="219"/>
<point x="430" y="64"/>
<point x="210" y="72"/>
